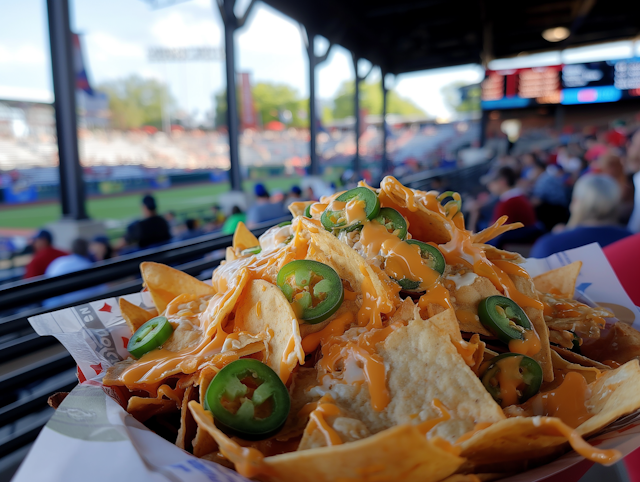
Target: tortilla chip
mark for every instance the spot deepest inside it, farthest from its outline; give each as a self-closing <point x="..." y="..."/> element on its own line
<point x="261" y="308"/>
<point x="243" y="238"/>
<point x="400" y="453"/>
<point x="467" y="298"/>
<point x="351" y="267"/>
<point x="134" y="315"/>
<point x="614" y="394"/>
<point x="561" y="367"/>
<point x="298" y="208"/>
<point x="143" y="408"/>
<point x="561" y="279"/>
<point x="520" y="443"/>
<point x="188" y="427"/>
<point x="492" y="253"/>
<point x="165" y="283"/>
<point x="422" y="365"/>
<point x="424" y="224"/>
<point x="515" y="442"/>
<point x="543" y="357"/>
<point x="578" y="359"/>
<point x="620" y="343"/>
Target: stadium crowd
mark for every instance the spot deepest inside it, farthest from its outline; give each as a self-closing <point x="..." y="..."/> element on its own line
<point x="581" y="191"/>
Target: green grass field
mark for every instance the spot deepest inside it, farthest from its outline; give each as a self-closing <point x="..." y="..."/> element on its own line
<point x="128" y="206"/>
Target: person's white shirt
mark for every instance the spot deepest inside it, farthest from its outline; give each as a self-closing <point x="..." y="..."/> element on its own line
<point x="634" y="221"/>
<point x="67" y="264"/>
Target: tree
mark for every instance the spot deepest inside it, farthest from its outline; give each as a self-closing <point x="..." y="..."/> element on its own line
<point x="371" y="101"/>
<point x="461" y="97"/>
<point x="270" y="101"/>
<point x="135" y="101"/>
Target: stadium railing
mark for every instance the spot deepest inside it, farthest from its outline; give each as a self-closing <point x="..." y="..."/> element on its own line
<point x="32" y="367"/>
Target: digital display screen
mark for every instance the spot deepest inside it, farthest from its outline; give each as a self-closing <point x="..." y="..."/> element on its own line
<point x="587" y="83"/>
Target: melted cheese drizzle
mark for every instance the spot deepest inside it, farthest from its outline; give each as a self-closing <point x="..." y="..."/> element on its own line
<point x="325" y="407"/>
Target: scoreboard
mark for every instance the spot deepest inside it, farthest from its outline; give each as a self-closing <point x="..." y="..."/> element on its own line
<point x="593" y="82"/>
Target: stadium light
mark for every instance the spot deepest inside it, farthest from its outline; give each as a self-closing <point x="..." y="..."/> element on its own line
<point x="557" y="34"/>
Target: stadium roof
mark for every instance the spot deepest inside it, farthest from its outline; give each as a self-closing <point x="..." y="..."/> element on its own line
<point x="410" y="35"/>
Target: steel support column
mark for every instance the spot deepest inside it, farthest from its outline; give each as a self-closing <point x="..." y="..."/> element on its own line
<point x="314" y="169"/>
<point x="314" y="61"/>
<point x="230" y="26"/>
<point x="356" y="110"/>
<point x="384" y="161"/>
<point x="72" y="193"/>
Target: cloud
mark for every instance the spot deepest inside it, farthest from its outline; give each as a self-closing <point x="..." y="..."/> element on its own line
<point x="176" y="29"/>
<point x="269" y="32"/>
<point x="102" y="47"/>
<point x="23" y="55"/>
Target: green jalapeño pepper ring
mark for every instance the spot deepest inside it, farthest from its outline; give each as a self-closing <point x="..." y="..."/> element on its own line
<point x="307" y="211"/>
<point x="393" y="221"/>
<point x="504" y="318"/>
<point x="248" y="399"/>
<point x="284" y="223"/>
<point x="456" y="202"/>
<point x="337" y="220"/>
<point x="253" y="250"/>
<point x="525" y="379"/>
<point x="149" y="336"/>
<point x="432" y="257"/>
<point x="314" y="289"/>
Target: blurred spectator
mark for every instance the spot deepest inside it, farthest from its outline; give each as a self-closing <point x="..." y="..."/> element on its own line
<point x="44" y="255"/>
<point x="594" y="217"/>
<point x="277" y="197"/>
<point x="100" y="248"/>
<point x="237" y="216"/>
<point x="549" y="196"/>
<point x="152" y="230"/>
<point x="217" y="218"/>
<point x="263" y="210"/>
<point x="611" y="165"/>
<point x="624" y="259"/>
<point x="77" y="260"/>
<point x="170" y="216"/>
<point x="511" y="200"/>
<point x="295" y="195"/>
<point x="192" y="230"/>
<point x="633" y="168"/>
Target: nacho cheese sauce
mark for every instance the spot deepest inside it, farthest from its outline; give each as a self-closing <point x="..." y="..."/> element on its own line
<point x="344" y="350"/>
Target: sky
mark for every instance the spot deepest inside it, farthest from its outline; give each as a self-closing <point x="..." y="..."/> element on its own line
<point x="117" y="34"/>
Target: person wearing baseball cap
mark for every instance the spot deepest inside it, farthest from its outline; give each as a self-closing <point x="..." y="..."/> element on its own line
<point x="45" y="253"/>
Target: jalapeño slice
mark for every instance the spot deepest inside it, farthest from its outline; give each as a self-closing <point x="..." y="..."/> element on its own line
<point x="393" y="221"/>
<point x="283" y="223"/>
<point x="504" y="318"/>
<point x="455" y="202"/>
<point x="521" y="379"/>
<point x="337" y="220"/>
<point x="248" y="400"/>
<point x="314" y="289"/>
<point x="253" y="250"/>
<point x="307" y="211"/>
<point x="150" y="336"/>
<point x="431" y="256"/>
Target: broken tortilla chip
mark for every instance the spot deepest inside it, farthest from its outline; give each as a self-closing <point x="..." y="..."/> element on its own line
<point x="135" y="316"/>
<point x="143" y="408"/>
<point x="298" y="208"/>
<point x="165" y="283"/>
<point x="560" y="280"/>
<point x="263" y="308"/>
<point x="400" y="453"/>
<point x="619" y="343"/>
<point x="243" y="238"/>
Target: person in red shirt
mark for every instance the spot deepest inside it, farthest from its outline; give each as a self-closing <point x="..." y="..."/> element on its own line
<point x="511" y="200"/>
<point x="45" y="253"/>
<point x="514" y="204"/>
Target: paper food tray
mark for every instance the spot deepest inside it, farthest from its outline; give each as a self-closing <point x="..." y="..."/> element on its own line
<point x="91" y="433"/>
